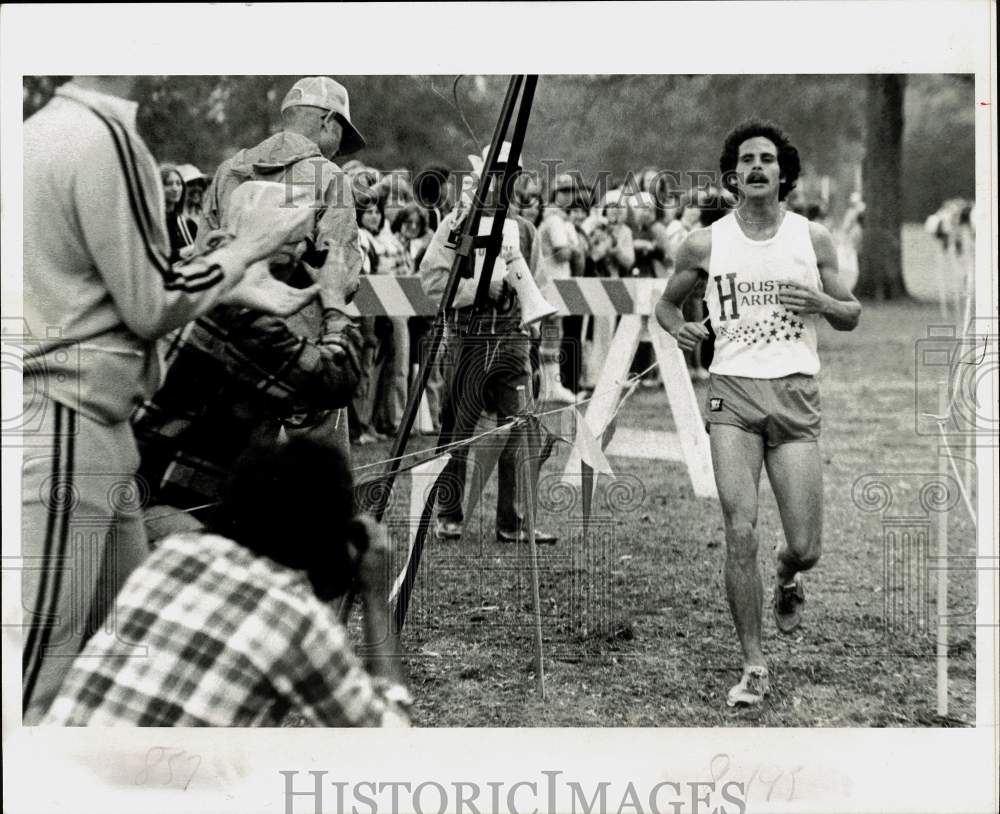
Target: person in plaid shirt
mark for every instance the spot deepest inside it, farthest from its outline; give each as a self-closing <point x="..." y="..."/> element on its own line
<point x="213" y="631"/>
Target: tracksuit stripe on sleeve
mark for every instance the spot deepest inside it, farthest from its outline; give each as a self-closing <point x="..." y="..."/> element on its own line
<point x="195" y="281"/>
<point x="173" y="280"/>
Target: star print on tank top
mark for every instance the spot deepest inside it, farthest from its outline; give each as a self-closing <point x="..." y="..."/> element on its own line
<point x="756" y="336"/>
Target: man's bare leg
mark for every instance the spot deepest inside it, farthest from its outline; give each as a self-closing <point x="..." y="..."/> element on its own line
<point x="796" y="474"/>
<point x="737" y="457"/>
<point x="795" y="471"/>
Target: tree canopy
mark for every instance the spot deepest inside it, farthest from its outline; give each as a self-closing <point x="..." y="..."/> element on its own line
<point x="614" y="124"/>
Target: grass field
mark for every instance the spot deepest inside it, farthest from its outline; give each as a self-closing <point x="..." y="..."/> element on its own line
<point x="637" y="631"/>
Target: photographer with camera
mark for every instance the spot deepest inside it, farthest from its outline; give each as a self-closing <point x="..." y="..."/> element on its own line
<point x="239" y="625"/>
<point x="239" y="373"/>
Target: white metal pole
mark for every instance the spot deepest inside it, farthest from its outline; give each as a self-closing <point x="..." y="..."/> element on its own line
<point x="526" y="475"/>
<point x="942" y="572"/>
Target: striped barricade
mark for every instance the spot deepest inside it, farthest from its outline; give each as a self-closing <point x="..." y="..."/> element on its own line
<point x="633" y="301"/>
<point x="389" y="296"/>
<point x="604" y="297"/>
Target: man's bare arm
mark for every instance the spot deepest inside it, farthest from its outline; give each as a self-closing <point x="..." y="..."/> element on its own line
<point x="691" y="264"/>
<point x="834" y="303"/>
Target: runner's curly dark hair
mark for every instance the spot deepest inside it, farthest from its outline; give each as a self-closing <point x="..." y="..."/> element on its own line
<point x="788" y="156"/>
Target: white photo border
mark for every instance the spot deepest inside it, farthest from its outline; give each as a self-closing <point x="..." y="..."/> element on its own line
<point x="898" y="770"/>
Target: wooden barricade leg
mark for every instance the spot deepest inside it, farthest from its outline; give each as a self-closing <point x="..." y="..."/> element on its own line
<point x="609" y="384"/>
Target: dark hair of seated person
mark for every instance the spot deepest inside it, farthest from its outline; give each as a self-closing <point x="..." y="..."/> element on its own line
<point x="294" y="503"/>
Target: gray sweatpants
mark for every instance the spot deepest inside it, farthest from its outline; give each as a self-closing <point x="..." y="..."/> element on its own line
<point x="81" y="536"/>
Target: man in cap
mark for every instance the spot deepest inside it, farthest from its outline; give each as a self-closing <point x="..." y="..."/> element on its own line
<point x="98" y="292"/>
<point x="317" y="127"/>
<point x="238" y="373"/>
<point x="486" y="360"/>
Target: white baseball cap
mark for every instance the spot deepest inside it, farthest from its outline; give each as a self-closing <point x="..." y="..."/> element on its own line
<point x="189" y="173"/>
<point x="326" y="94"/>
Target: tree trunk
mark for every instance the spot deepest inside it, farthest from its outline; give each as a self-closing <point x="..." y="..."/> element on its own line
<point x="880" y="260"/>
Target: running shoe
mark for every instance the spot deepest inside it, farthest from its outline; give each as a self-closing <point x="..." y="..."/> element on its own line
<point x="787" y="605"/>
<point x="448" y="529"/>
<point x="541" y="537"/>
<point x="752" y="689"/>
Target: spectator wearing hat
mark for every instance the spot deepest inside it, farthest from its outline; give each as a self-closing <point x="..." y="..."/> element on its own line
<point x="486" y="360"/>
<point x="316" y="128"/>
<point x="195" y="184"/>
<point x="240" y="374"/>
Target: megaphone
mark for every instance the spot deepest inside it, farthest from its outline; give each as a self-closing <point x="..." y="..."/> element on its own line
<point x="534" y="307"/>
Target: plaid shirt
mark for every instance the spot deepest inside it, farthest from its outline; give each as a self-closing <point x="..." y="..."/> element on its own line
<point x="231" y="639"/>
<point x="233" y="374"/>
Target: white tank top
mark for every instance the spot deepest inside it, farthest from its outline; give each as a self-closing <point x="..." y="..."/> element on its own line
<point x="756" y="336"/>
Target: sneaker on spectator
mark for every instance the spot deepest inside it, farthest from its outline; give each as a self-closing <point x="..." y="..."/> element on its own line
<point x="447" y="529"/>
<point x="541" y="537"/>
<point x="552" y="389"/>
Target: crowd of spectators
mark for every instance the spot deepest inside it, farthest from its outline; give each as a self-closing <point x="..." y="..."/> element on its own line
<point x="631" y="228"/>
<point x="217" y="354"/>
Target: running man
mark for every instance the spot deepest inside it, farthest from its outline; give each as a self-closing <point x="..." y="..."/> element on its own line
<point x="771" y="274"/>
